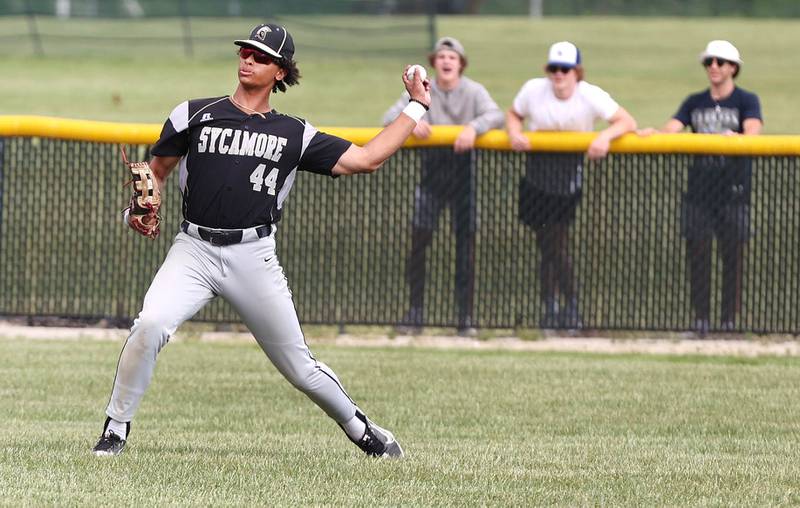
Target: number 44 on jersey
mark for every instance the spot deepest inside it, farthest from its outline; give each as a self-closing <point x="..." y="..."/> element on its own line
<point x="271" y="180"/>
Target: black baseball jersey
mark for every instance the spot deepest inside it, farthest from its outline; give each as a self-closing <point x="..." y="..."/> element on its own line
<point x="236" y="169"/>
<point x="719" y="179"/>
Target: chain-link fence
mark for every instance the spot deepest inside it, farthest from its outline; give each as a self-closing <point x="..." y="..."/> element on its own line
<point x="493" y="239"/>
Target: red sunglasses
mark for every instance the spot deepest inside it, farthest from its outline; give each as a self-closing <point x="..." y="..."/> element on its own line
<point x="259" y="57"/>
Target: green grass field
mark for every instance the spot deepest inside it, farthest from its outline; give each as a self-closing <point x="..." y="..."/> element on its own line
<point x="221" y="427"/>
<point x="648" y="64"/>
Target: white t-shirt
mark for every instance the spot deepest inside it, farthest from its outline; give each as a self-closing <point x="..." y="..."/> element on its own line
<point x="546" y="112"/>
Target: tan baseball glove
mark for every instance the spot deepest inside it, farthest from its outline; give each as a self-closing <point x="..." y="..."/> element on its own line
<point x="142" y="213"/>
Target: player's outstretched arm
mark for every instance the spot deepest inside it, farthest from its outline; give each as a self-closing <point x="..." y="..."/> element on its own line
<point x="368" y="158"/>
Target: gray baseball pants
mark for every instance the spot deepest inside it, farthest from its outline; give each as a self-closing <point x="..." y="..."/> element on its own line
<point x="249" y="276"/>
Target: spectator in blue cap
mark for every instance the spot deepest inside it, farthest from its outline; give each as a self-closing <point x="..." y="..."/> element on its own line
<point x="551" y="189"/>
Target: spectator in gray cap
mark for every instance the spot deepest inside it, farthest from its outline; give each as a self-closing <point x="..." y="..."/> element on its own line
<point x="447" y="178"/>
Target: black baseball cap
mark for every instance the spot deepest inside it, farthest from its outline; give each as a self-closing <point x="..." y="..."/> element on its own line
<point x="271" y="39"/>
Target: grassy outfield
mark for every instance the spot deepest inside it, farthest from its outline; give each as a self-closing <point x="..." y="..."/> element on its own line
<point x="648" y="64"/>
<point x="221" y="427"/>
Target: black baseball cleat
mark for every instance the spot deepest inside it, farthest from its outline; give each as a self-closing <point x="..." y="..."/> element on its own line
<point x="377" y="441"/>
<point x="109" y="444"/>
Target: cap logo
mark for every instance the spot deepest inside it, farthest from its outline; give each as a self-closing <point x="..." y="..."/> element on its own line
<point x="262" y="32"/>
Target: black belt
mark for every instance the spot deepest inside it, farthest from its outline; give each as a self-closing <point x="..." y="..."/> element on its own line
<point x="222" y="237"/>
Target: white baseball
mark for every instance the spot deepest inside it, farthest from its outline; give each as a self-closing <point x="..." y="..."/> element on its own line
<point x="417" y="67"/>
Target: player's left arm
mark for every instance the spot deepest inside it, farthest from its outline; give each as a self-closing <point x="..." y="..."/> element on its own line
<point x="142" y="214"/>
<point x="621" y="122"/>
<point x="162" y="167"/>
<point x="368" y="158"/>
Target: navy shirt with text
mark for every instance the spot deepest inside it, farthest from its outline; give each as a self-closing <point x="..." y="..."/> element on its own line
<point x="721" y="179"/>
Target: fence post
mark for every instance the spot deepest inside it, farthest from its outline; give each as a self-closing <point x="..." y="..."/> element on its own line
<point x="33" y="29"/>
<point x="432" y="23"/>
<point x="187" y="29"/>
<point x="2" y="180"/>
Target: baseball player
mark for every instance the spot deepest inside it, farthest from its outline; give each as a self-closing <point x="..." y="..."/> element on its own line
<point x="552" y="187"/>
<point x="448" y="178"/>
<point x="238" y="159"/>
<point x="717" y="200"/>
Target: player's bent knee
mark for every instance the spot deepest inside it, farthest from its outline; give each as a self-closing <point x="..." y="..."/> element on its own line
<point x="303" y="383"/>
<point x="150" y="333"/>
<point x="304" y="379"/>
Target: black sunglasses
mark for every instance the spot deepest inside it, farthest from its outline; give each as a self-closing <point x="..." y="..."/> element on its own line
<point x="720" y="61"/>
<point x="552" y="69"/>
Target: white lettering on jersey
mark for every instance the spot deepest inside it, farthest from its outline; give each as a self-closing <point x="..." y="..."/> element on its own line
<point x="261" y="145"/>
<point x="223" y="148"/>
<point x="237" y="142"/>
<point x="201" y="147"/>
<point x="215" y="132"/>
<point x="279" y="149"/>
<point x="271" y="142"/>
<point x="248" y="143"/>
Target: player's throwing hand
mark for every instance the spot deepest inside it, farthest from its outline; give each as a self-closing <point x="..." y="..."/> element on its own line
<point x="418" y="88"/>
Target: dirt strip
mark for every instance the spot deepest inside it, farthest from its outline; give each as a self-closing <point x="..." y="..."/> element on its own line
<point x="680" y="346"/>
<point x="736" y="347"/>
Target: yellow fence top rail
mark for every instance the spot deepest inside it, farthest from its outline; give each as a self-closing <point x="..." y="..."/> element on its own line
<point x="78" y="130"/>
<point x="443" y="135"/>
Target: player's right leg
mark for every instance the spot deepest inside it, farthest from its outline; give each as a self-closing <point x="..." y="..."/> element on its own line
<point x="257" y="288"/>
<point x="183" y="284"/>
